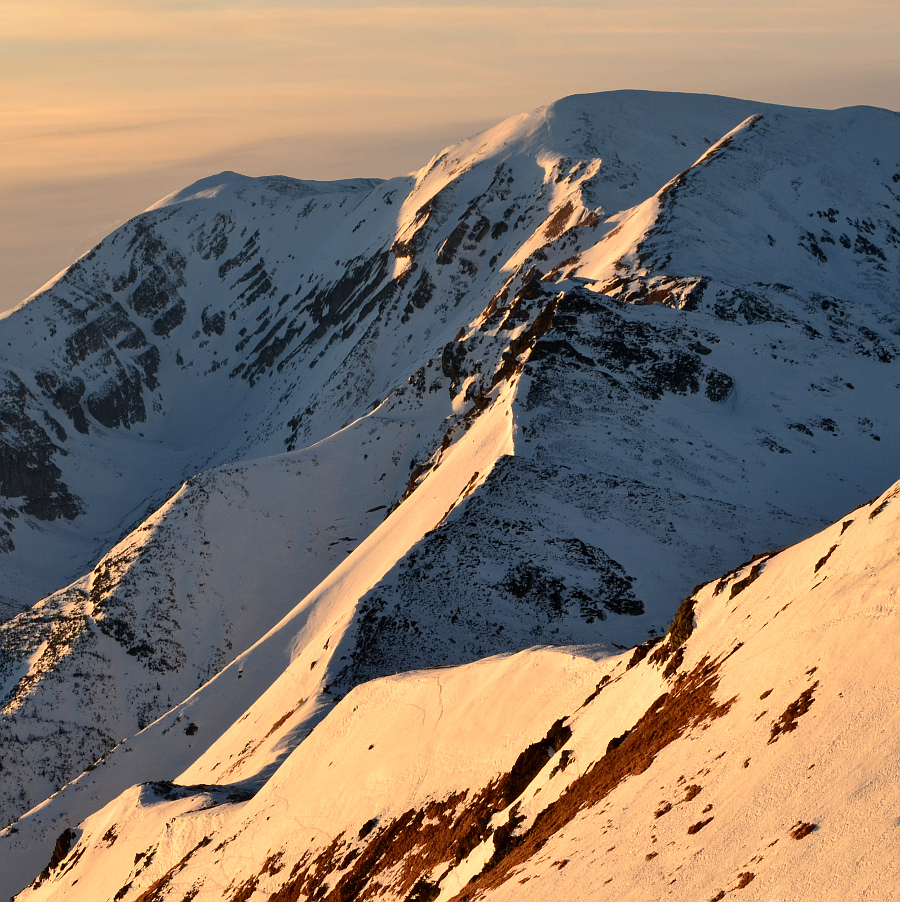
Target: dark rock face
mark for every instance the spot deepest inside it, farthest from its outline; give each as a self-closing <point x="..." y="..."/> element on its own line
<point x="718" y="385"/>
<point x="99" y="373"/>
<point x="213" y="323"/>
<point x="27" y="454"/>
<point x="110" y="329"/>
<point x="65" y="395"/>
<point x="650" y="359"/>
<point x="118" y="402"/>
<point x="157" y="274"/>
<point x="108" y="342"/>
<point x="503" y="574"/>
<point x="511" y="556"/>
<point x="420" y="295"/>
<point x="64" y="843"/>
<point x="150" y="638"/>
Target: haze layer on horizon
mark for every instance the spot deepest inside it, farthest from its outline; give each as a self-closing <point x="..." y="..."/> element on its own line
<point x="108" y="105"/>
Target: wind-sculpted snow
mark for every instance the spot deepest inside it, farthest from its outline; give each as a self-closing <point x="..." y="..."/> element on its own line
<point x="528" y="395"/>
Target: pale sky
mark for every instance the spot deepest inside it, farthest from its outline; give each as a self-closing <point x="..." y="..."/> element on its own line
<point x="108" y="105"/>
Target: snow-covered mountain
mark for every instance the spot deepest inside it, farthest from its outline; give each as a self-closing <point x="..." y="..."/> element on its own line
<point x="755" y="747"/>
<point x="274" y="439"/>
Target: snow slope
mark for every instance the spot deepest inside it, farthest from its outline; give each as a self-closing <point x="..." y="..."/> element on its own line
<point x="753" y="750"/>
<point x="546" y="386"/>
<point x="242" y="317"/>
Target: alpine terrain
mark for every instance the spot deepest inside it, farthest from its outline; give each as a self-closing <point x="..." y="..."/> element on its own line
<point x="366" y="538"/>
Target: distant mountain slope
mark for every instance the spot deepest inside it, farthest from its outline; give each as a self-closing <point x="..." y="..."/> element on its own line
<point x="242" y="317"/>
<point x="753" y="748"/>
<point x="812" y="200"/>
<point x="530" y="394"/>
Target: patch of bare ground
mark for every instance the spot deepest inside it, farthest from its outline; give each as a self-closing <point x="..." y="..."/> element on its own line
<point x="674" y="663"/>
<point x="878" y="510"/>
<point x="824" y="560"/>
<point x="696" y="828"/>
<point x="155" y="892"/>
<point x="421" y="840"/>
<point x="271" y="866"/>
<point x="757" y="561"/>
<point x="531" y="761"/>
<point x="64" y="843"/>
<point x="689" y="704"/>
<point x="802" y="829"/>
<point x="599" y="688"/>
<point x="565" y="759"/>
<point x="284" y="718"/>
<point x="406" y="853"/>
<point x="678" y="633"/>
<point x="417" y="842"/>
<point x="555" y="226"/>
<point x="641" y="651"/>
<point x="788" y="720"/>
<point x="243" y="892"/>
<point x="751" y="577"/>
<point x="249" y="748"/>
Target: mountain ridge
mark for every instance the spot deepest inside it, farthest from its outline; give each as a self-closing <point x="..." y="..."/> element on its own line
<point x="537" y="767"/>
<point x="532" y="419"/>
